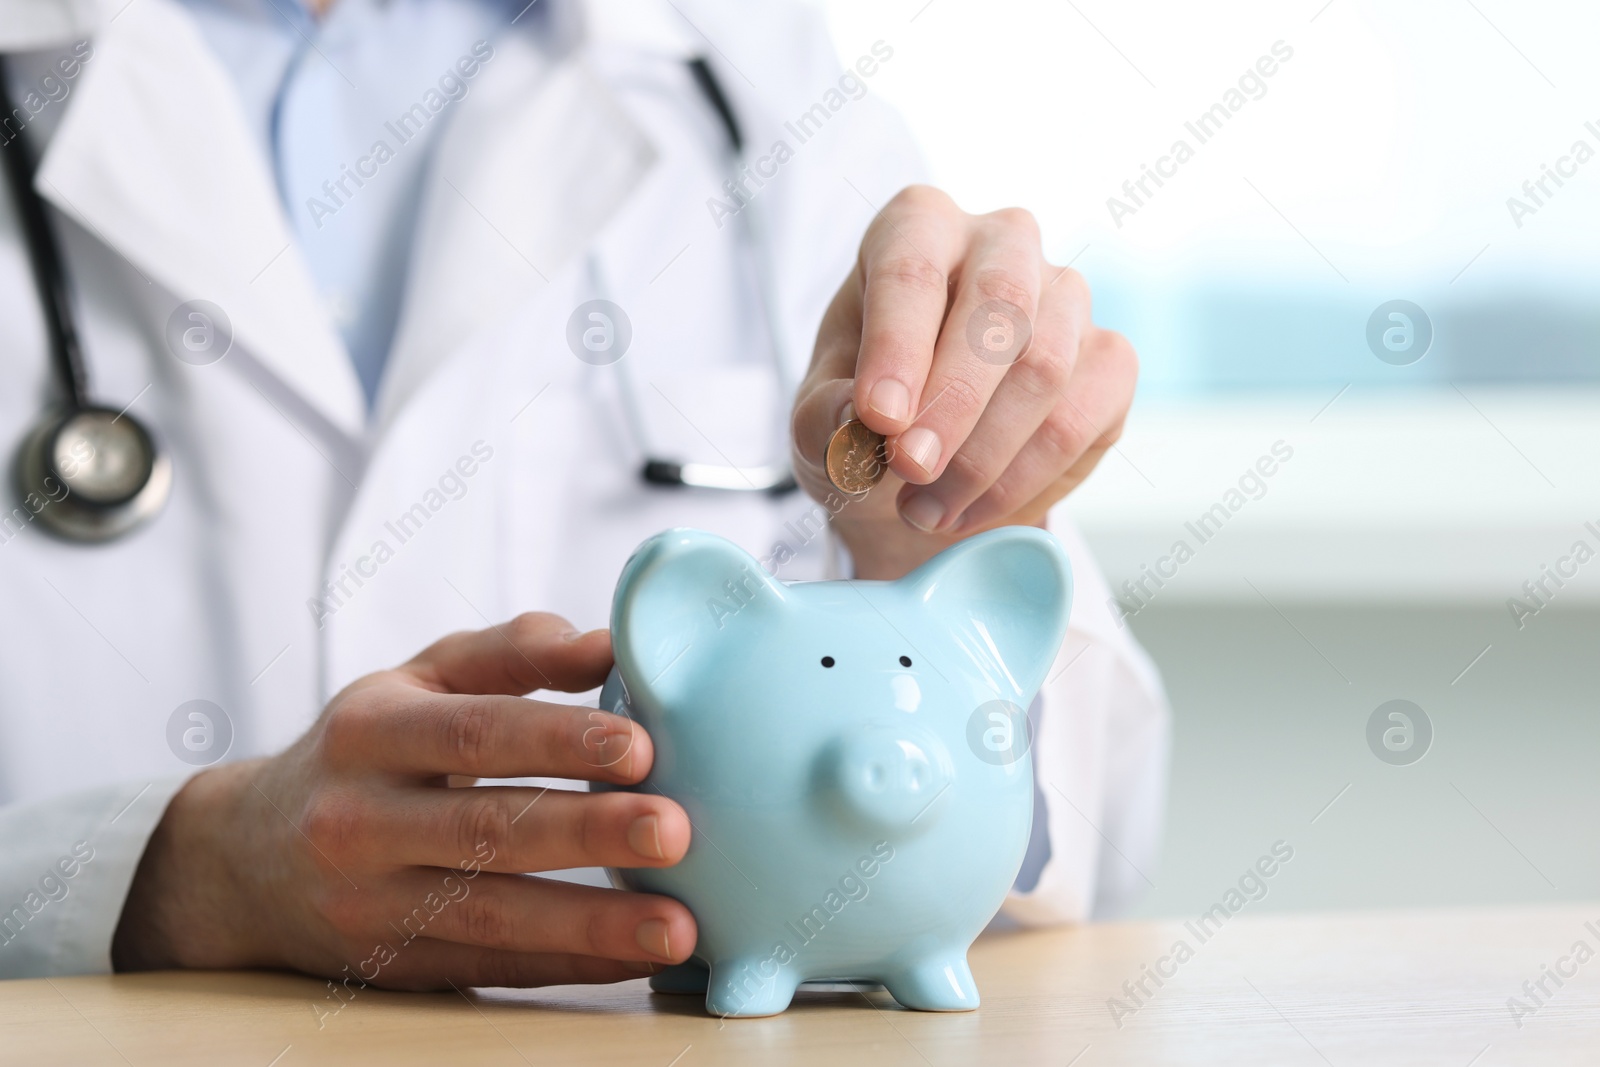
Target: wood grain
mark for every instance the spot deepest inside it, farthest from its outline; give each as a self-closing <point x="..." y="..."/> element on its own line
<point x="1400" y="988"/>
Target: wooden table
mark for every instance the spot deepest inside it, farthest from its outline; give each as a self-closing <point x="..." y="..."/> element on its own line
<point x="1401" y="988"/>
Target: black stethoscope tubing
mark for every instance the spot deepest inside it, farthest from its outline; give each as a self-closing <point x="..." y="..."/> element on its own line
<point x="87" y="472"/>
<point x="666" y="473"/>
<point x="65" y="351"/>
<point x="145" y="474"/>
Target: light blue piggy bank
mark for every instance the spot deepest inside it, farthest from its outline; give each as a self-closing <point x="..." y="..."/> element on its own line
<point x="853" y="757"/>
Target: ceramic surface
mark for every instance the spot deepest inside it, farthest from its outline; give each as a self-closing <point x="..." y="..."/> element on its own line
<point x="853" y="755"/>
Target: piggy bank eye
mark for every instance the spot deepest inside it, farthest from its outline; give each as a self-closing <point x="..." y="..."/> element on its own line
<point x="827" y="661"/>
<point x="905" y="661"/>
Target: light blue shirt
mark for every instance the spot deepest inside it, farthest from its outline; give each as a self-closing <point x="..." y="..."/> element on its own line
<point x="348" y="111"/>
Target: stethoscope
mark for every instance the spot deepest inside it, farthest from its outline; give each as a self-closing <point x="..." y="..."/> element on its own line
<point x="775" y="479"/>
<point x="86" y="472"/>
<point x="91" y="474"/>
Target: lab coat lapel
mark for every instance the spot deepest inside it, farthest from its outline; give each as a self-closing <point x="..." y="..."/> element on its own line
<point x="155" y="158"/>
<point x="533" y="165"/>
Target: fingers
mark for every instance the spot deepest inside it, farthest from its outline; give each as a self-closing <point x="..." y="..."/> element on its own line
<point x="1071" y="440"/>
<point x="906" y="261"/>
<point x="535" y="650"/>
<point x="1006" y="426"/>
<point x="816" y="416"/>
<point x="524" y="914"/>
<point x="963" y="347"/>
<point x="828" y="392"/>
<point x="396" y="728"/>
<point x="839" y="335"/>
<point x="522" y="830"/>
<point x="988" y="328"/>
<point x="1034" y="385"/>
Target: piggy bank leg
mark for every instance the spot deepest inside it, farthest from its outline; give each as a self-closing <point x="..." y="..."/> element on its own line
<point x="688" y="977"/>
<point x="749" y="986"/>
<point x="934" y="983"/>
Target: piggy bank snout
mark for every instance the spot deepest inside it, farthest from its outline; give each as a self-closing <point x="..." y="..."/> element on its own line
<point x="889" y="777"/>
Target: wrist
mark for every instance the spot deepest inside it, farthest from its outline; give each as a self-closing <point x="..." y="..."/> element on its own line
<point x="186" y="906"/>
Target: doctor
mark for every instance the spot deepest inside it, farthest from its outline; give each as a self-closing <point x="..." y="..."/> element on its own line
<point x="408" y="292"/>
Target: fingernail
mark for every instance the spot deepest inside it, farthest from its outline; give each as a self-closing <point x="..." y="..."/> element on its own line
<point x="652" y="937"/>
<point x="924" y="511"/>
<point x="641" y="966"/>
<point x="848" y="412"/>
<point x="579" y="635"/>
<point x="922" y="445"/>
<point x="644" y="837"/>
<point x="891" y="399"/>
<point x="606" y="741"/>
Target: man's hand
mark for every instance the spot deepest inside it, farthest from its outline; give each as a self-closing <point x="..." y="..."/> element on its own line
<point x="977" y="360"/>
<point x="351" y="849"/>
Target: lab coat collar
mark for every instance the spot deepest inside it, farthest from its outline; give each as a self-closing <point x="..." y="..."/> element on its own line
<point x="164" y="170"/>
<point x="208" y="224"/>
<point x="531" y="168"/>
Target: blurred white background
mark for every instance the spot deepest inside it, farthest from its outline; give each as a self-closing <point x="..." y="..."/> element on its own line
<point x="1374" y="164"/>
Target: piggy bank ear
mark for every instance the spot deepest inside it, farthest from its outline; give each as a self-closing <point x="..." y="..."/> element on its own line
<point x="1006" y="594"/>
<point x="686" y="596"/>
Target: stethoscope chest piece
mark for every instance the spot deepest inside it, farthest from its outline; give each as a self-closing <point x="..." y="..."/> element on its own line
<point x="86" y="472"/>
<point x="91" y="474"/>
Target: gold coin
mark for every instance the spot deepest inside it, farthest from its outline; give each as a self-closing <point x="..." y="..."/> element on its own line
<point x="856" y="458"/>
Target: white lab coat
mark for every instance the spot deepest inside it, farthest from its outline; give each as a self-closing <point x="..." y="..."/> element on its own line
<point x="603" y="157"/>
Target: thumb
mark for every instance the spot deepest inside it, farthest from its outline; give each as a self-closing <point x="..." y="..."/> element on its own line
<point x="535" y="650"/>
<point x="817" y="414"/>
